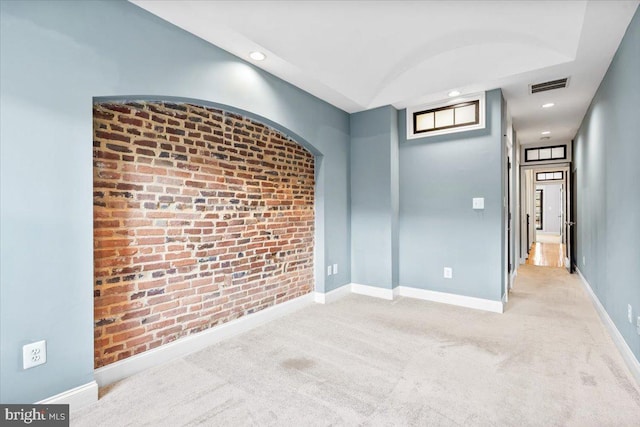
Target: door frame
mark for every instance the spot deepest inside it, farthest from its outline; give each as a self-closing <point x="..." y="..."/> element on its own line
<point x="528" y="187"/>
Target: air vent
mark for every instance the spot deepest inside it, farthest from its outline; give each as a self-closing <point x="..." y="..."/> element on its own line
<point x="551" y="85"/>
<point x="546" y="137"/>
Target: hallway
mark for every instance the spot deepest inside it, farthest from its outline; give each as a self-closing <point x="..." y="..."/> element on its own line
<point x="366" y="361"/>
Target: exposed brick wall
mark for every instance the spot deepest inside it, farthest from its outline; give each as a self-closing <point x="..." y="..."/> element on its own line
<point x="200" y="216"/>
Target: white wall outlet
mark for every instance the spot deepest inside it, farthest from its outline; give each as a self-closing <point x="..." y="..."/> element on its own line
<point x="448" y="272"/>
<point x="630" y="313"/>
<point x="34" y="354"/>
<point x="329" y="270"/>
<point x="638" y="325"/>
<point x="478" y="203"/>
<point x="335" y="268"/>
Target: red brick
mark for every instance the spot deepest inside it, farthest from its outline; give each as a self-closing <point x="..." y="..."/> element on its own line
<point x="169" y="230"/>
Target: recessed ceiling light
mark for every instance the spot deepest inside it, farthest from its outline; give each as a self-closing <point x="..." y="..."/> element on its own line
<point x="546" y="132"/>
<point x="454" y="93"/>
<point x="257" y="56"/>
<point x="548" y="105"/>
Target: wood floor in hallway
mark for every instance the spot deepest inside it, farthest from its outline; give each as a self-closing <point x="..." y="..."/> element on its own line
<point x="546" y="255"/>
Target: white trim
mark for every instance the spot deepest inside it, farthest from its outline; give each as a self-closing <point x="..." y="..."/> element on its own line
<point x="512" y="279"/>
<point x="372" y="291"/>
<point x="618" y="340"/>
<point x="76" y="398"/>
<point x="453" y="299"/>
<point x="192" y="343"/>
<point x="334" y="295"/>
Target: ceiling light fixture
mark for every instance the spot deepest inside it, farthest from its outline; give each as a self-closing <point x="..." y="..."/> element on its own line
<point x="257" y="56"/>
<point x="454" y="93"/>
<point x="546" y="132"/>
<point x="548" y="105"/>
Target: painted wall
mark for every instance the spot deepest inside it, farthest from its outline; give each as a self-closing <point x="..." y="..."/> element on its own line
<point x="374" y="197"/>
<point x="439" y="177"/>
<point x="552" y="207"/>
<point x="55" y="58"/>
<point x="606" y="160"/>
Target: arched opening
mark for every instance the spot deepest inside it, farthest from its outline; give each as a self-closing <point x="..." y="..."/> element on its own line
<point x="201" y="216"/>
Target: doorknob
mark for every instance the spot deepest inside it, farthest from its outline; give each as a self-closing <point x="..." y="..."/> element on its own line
<point x="570" y="223"/>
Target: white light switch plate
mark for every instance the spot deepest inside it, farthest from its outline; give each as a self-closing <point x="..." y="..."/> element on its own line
<point x="335" y="268"/>
<point x="478" y="203"/>
<point x="329" y="270"/>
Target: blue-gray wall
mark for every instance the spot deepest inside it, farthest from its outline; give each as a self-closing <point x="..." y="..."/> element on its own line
<point x="607" y="163"/>
<point x="57" y="56"/>
<point x="439" y="177"/>
<point x="374" y="197"/>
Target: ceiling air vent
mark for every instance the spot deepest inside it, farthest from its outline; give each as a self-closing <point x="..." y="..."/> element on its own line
<point x="550" y="85"/>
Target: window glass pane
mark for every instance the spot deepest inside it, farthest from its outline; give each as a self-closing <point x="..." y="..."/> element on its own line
<point x="424" y="122"/>
<point x="557" y="175"/>
<point x="466" y="114"/>
<point x="532" y="155"/>
<point x="557" y="153"/>
<point x="444" y="118"/>
<point x="545" y="153"/>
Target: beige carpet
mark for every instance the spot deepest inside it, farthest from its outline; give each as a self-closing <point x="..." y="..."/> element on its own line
<point x="547" y="361"/>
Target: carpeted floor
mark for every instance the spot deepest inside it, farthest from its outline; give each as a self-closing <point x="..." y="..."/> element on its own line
<point x="547" y="361"/>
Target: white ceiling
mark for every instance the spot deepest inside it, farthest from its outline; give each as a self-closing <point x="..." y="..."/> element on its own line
<point x="359" y="55"/>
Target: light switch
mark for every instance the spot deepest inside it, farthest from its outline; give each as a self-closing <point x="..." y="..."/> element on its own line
<point x="335" y="268"/>
<point x="478" y="203"/>
<point x="328" y="270"/>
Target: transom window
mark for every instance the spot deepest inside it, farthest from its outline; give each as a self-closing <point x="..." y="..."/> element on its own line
<point x="451" y="116"/>
<point x="462" y="114"/>
<point x="558" y="152"/>
<point x="549" y="176"/>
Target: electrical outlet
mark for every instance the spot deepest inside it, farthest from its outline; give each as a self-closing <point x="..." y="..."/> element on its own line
<point x="448" y="272"/>
<point x="630" y="313"/>
<point x="584" y="260"/>
<point x="34" y="354"/>
<point x="638" y="325"/>
<point x="329" y="270"/>
<point x="335" y="268"/>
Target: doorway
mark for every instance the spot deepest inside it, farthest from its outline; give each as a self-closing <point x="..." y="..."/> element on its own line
<point x="546" y="197"/>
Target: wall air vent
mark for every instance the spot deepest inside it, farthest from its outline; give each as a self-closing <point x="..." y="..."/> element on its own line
<point x="550" y="85"/>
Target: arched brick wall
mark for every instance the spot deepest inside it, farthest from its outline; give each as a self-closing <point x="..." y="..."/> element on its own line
<point x="201" y="216"/>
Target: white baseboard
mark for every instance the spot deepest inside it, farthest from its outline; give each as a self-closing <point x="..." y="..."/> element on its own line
<point x="372" y="291"/>
<point x="396" y="292"/>
<point x="76" y="398"/>
<point x="623" y="347"/>
<point x="405" y="291"/>
<point x="334" y="295"/>
<point x="192" y="343"/>
<point x="453" y="299"/>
